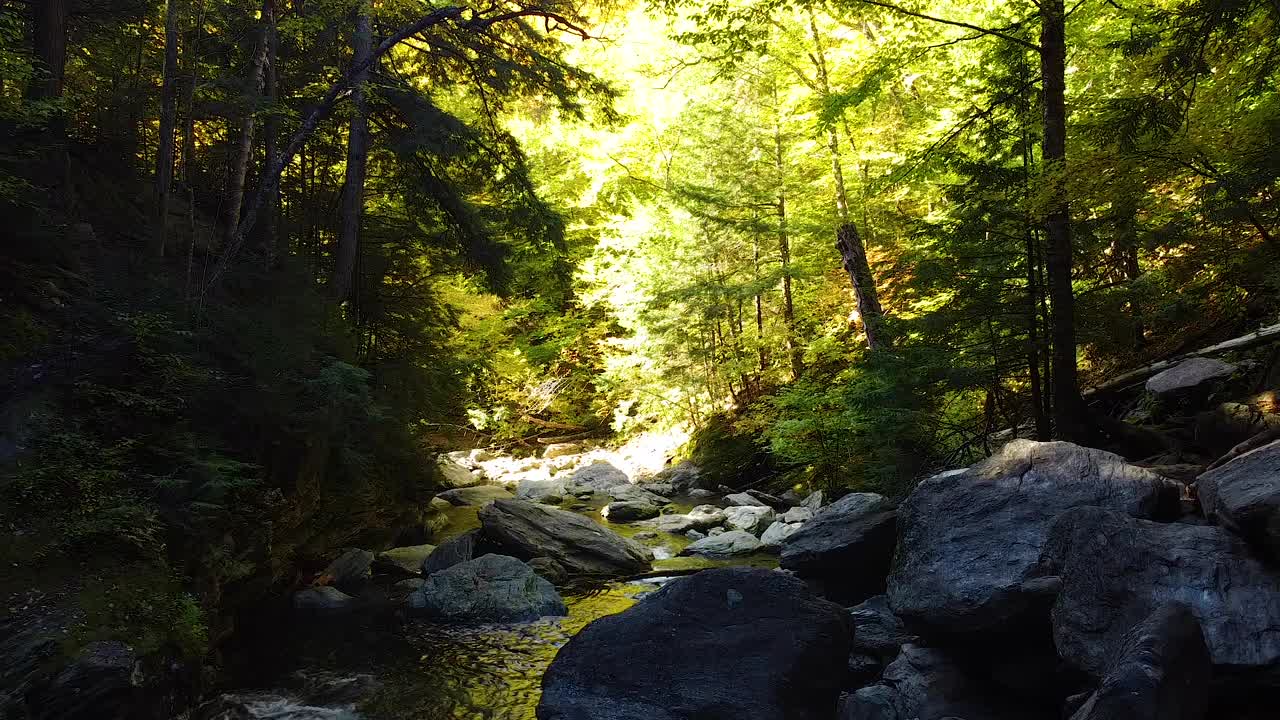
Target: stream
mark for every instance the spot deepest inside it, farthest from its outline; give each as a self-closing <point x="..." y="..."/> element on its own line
<point x="383" y="666"/>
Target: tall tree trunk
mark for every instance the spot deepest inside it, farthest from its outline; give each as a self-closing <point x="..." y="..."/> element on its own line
<point x="275" y="247"/>
<point x="854" y="258"/>
<point x="168" y="120"/>
<point x="759" y="299"/>
<point x="244" y="146"/>
<point x="855" y="255"/>
<point x="1069" y="411"/>
<point x="357" y="155"/>
<point x="49" y="41"/>
<point x="794" y="351"/>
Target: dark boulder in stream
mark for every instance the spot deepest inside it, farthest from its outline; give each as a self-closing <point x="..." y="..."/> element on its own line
<point x="489" y="589"/>
<point x="969" y="541"/>
<point x="582" y="547"/>
<point x="846" y="547"/>
<point x="725" y="644"/>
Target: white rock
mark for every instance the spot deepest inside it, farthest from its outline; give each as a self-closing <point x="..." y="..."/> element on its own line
<point x="778" y="532"/>
<point x="797" y="515"/>
<point x="733" y="542"/>
<point x="754" y="519"/>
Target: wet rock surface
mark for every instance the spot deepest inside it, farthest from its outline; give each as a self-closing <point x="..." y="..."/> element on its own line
<point x="788" y="651"/>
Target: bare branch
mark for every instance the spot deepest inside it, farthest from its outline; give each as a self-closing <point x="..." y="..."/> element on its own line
<point x="955" y="23"/>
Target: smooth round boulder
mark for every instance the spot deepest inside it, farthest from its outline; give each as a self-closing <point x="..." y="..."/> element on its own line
<point x="724" y="644"/>
<point x="754" y="519"/>
<point x="489" y="589"/>
<point x="1187" y="375"/>
<point x="730" y="542"/>
<point x="629" y="511"/>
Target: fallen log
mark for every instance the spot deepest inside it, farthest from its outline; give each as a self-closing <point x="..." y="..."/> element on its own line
<point x="1261" y="336"/>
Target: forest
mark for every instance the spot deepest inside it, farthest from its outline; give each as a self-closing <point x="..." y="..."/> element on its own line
<point x="281" y="275"/>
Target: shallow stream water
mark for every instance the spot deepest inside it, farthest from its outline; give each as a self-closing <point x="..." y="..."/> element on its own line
<point x="384" y="667"/>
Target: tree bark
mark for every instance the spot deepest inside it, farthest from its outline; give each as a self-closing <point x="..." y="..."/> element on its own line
<point x="243" y="149"/>
<point x="168" y="121"/>
<point x="1069" y="411"/>
<point x="794" y="351"/>
<point x="50" y="44"/>
<point x="854" y="258"/>
<point x="275" y="247"/>
<point x="864" y="285"/>
<point x="49" y="40"/>
<point x="357" y="156"/>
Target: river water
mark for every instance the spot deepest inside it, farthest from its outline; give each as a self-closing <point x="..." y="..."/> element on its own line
<point x="382" y="666"/>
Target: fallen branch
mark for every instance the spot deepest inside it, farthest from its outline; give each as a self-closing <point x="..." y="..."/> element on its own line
<point x="552" y="425"/>
<point x="1271" y="333"/>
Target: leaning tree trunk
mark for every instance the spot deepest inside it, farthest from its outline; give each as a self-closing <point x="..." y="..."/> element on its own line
<point x="168" y="121"/>
<point x="852" y="249"/>
<point x="357" y="156"/>
<point x="854" y="257"/>
<point x="1070" y="422"/>
<point x="244" y="147"/>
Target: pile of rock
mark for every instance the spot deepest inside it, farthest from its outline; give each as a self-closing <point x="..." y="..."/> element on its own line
<point x="1049" y="581"/>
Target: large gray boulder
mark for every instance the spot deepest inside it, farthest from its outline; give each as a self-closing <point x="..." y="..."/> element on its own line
<point x="928" y="684"/>
<point x="847" y="546"/>
<point x="453" y="551"/>
<point x="1160" y="672"/>
<point x="969" y="541"/>
<point x="489" y="589"/>
<point x="683" y="476"/>
<point x="455" y="475"/>
<point x="474" y="496"/>
<point x="1244" y="496"/>
<point x="777" y="533"/>
<point x="1187" y="375"/>
<point x="599" y="476"/>
<point x="754" y="519"/>
<point x="702" y="517"/>
<point x="1116" y="571"/>
<point x="733" y="542"/>
<point x="743" y="500"/>
<point x="582" y="547"/>
<point x="543" y="490"/>
<point x="630" y="510"/>
<point x="724" y="644"/>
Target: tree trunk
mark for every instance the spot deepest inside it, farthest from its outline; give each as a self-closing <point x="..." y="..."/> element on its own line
<point x="357" y="155"/>
<point x="244" y="146"/>
<point x="1125" y="248"/>
<point x="854" y="258"/>
<point x="755" y="275"/>
<point x="794" y="351"/>
<point x="168" y="120"/>
<point x="274" y="247"/>
<point x="1069" y="412"/>
<point x="864" y="285"/>
<point x="49" y="40"/>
